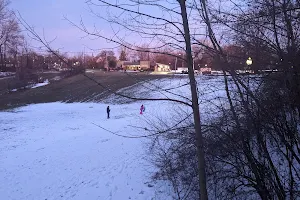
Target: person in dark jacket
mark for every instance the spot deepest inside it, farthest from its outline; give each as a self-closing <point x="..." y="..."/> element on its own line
<point x="108" y="111"/>
<point x="142" y="109"/>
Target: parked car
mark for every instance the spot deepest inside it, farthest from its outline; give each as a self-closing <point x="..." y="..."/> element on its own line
<point x="184" y="72"/>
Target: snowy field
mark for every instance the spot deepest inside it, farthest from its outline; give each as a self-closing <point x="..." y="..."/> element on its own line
<point x="54" y="151"/>
<point x="72" y="151"/>
<point x="6" y="74"/>
<point x="32" y="86"/>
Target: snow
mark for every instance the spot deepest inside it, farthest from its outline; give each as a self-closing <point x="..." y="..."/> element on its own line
<point x="51" y="72"/>
<point x="55" y="151"/>
<point x="211" y="93"/>
<point x="5" y="74"/>
<point x="131" y="71"/>
<point x="90" y="71"/>
<point x="72" y="151"/>
<point x="32" y="86"/>
<point x="46" y="82"/>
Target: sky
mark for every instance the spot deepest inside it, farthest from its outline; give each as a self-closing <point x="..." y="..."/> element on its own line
<point x="48" y="17"/>
<point x="52" y="19"/>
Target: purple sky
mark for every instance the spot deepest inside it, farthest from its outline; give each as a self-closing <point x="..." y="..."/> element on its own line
<point x="48" y="15"/>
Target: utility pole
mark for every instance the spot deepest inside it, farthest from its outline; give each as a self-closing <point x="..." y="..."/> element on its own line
<point x="4" y="55"/>
<point x="84" y="56"/>
<point x="105" y="62"/>
<point x="1" y="54"/>
<point x="176" y="65"/>
<point x="182" y="62"/>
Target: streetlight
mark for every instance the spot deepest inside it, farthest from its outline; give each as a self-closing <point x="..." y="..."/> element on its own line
<point x="249" y="61"/>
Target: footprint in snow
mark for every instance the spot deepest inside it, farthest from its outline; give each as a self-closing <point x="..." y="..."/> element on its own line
<point x="142" y="192"/>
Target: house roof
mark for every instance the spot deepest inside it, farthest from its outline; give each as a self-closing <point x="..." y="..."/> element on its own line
<point x="160" y="64"/>
<point x="131" y="63"/>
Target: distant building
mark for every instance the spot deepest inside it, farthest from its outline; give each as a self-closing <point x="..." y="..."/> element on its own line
<point x="128" y="65"/>
<point x="7" y="67"/>
<point x="99" y="60"/>
<point x="205" y="70"/>
<point x="135" y="65"/>
<point x="162" y="68"/>
<point x="145" y="65"/>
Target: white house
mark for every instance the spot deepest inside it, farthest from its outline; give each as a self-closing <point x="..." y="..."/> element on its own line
<point x="162" y="68"/>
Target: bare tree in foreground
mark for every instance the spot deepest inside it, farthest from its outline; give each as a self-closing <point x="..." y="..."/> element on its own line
<point x="168" y="32"/>
<point x="252" y="147"/>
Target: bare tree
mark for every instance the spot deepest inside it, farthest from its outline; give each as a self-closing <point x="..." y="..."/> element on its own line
<point x="244" y="146"/>
<point x="142" y="53"/>
<point x="123" y="54"/>
<point x="273" y="24"/>
<point x="170" y="30"/>
<point x="10" y="33"/>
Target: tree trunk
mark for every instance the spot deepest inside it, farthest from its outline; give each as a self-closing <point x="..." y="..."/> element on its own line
<point x="193" y="85"/>
<point x="1" y="54"/>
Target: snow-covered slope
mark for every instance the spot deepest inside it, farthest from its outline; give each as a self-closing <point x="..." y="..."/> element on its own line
<point x="54" y="151"/>
<point x="72" y="151"/>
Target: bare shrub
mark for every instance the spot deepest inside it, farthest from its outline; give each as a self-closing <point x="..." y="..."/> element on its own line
<point x="250" y="153"/>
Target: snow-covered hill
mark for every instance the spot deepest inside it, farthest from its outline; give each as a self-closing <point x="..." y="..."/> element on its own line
<point x="55" y="151"/>
<point x="72" y="151"/>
